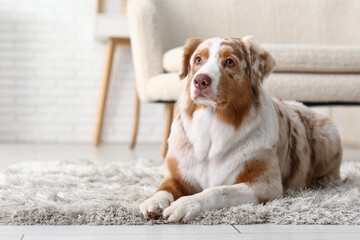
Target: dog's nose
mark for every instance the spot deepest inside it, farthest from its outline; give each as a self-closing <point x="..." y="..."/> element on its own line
<point x="202" y="81"/>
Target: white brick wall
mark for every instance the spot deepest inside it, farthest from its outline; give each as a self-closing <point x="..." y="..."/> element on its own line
<point x="50" y="73"/>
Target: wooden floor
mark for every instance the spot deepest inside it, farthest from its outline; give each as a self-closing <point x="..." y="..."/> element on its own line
<point x="169" y="232"/>
<point x="15" y="153"/>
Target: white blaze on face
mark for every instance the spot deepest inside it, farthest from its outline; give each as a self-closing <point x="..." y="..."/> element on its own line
<point x="210" y="68"/>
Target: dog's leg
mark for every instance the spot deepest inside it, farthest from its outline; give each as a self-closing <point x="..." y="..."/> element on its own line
<point x="187" y="207"/>
<point x="169" y="190"/>
<point x="172" y="188"/>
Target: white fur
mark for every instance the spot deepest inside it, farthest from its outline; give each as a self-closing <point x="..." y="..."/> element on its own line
<point x="157" y="203"/>
<point x="211" y="68"/>
<point x="186" y="208"/>
<point x="219" y="149"/>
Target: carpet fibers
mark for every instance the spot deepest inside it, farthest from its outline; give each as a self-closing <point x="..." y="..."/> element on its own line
<point x="104" y="193"/>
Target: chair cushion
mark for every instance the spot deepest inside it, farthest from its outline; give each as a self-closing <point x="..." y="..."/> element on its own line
<point x="295" y="58"/>
<point x="165" y="87"/>
<point x="307" y="87"/>
<point x="314" y="87"/>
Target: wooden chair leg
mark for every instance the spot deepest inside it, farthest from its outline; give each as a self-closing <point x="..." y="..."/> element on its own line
<point x="104" y="90"/>
<point x="169" y="110"/>
<point x="136" y="120"/>
<point x="175" y="112"/>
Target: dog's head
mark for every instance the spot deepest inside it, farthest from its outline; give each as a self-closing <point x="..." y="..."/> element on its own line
<point x="222" y="71"/>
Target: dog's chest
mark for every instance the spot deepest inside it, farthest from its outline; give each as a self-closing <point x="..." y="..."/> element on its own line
<point x="209" y="136"/>
<point x="210" y="164"/>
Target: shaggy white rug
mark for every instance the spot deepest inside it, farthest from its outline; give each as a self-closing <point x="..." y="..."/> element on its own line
<point x="95" y="192"/>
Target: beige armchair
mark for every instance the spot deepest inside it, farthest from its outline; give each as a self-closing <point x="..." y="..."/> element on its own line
<point x="316" y="44"/>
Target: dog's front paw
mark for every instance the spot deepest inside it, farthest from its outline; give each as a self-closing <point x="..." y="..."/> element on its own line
<point x="183" y="210"/>
<point x="154" y="206"/>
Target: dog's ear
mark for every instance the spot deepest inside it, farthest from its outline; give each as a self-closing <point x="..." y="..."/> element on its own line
<point x="261" y="61"/>
<point x="189" y="49"/>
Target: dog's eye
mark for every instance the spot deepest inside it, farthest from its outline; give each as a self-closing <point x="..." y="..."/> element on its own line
<point x="198" y="60"/>
<point x="229" y="62"/>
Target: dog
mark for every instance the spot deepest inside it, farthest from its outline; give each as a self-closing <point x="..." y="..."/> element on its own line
<point x="231" y="143"/>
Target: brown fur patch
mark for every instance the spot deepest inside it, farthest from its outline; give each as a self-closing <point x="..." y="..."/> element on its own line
<point x="265" y="66"/>
<point x="261" y="68"/>
<point x="324" y="167"/>
<point x="244" y="51"/>
<point x="265" y="62"/>
<point x="293" y="156"/>
<point x="254" y="84"/>
<point x="238" y="97"/>
<point x="281" y="114"/>
<point x="251" y="171"/>
<point x="233" y="49"/>
<point x="309" y="132"/>
<point x="204" y="55"/>
<point x="288" y="127"/>
<point x="175" y="185"/>
<point x="252" y="56"/>
<point x="190" y="47"/>
<point x="262" y="200"/>
<point x="238" y="93"/>
<point x="295" y="131"/>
